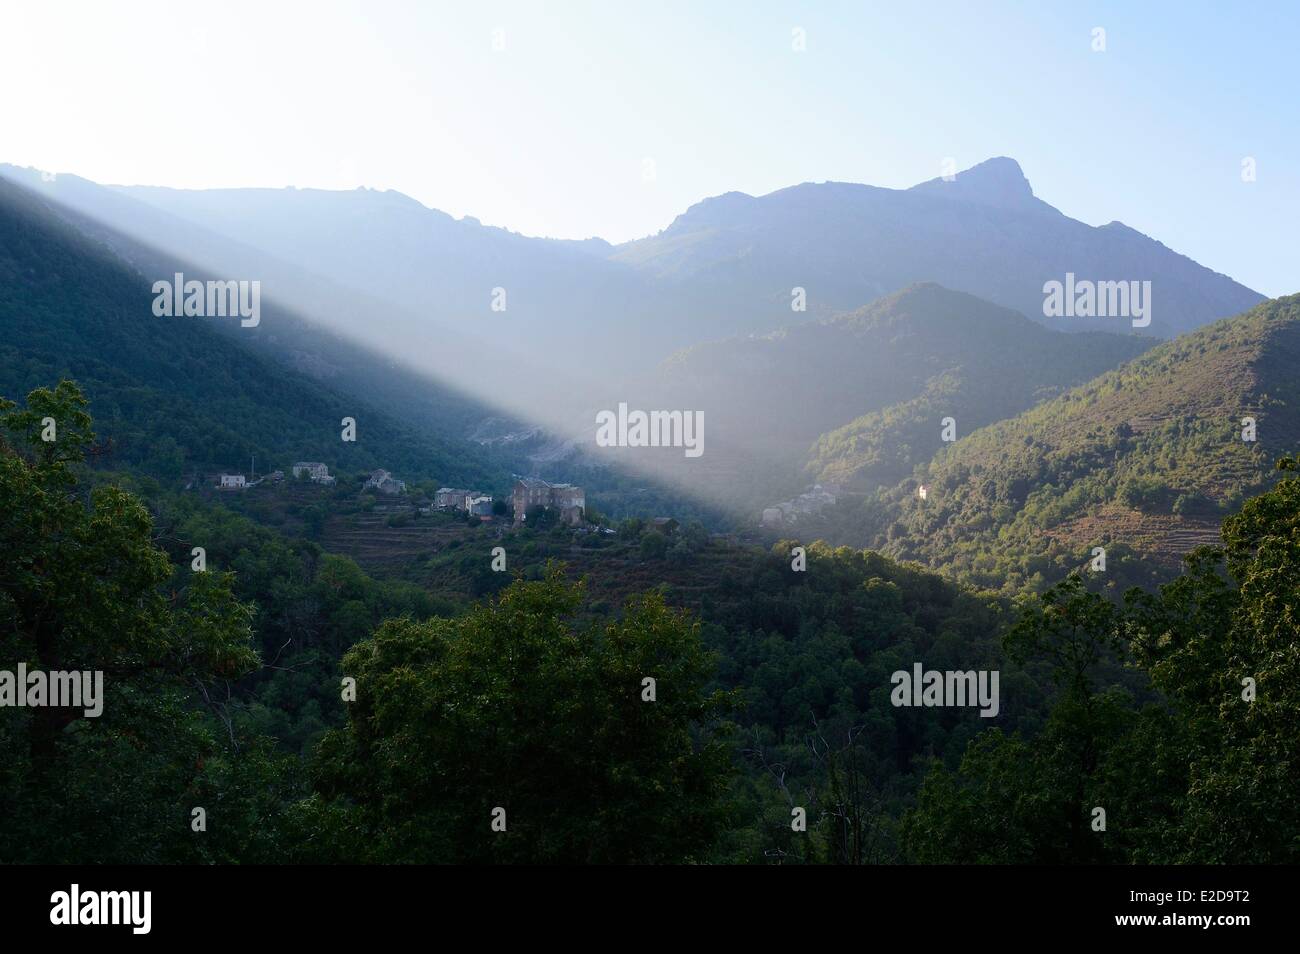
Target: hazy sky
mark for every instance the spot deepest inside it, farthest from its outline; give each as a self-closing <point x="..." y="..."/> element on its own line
<point x="549" y="136"/>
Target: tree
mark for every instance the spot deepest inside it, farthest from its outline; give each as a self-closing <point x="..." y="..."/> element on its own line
<point x="1206" y="773"/>
<point x="539" y="517"/>
<point x="1222" y="644"/>
<point x="653" y="546"/>
<point x="513" y="706"/>
<point x="81" y="591"/>
<point x="1028" y="802"/>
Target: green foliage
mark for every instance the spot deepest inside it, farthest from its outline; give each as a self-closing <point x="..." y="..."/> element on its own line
<point x="513" y="706"/>
<point x="991" y="364"/>
<point x="82" y="591"/>
<point x="532" y="701"/>
<point x="309" y="607"/>
<point x="653" y="546"/>
<point x="539" y="517"/>
<point x="1205" y="775"/>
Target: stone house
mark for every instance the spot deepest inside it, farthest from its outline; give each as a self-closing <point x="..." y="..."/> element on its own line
<point x="451" y="497"/>
<point x="384" y="482"/>
<point x="315" y="470"/>
<point x="568" y="499"/>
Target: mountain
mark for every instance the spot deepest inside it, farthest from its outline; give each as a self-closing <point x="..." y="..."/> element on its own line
<point x="983" y="232"/>
<point x="1144" y="461"/>
<point x="312" y="330"/>
<point x="324" y="328"/>
<point x="868" y="390"/>
<point x="172" y="396"/>
<point x="545" y="307"/>
<point x="385" y="299"/>
<point x="985" y="363"/>
<point x="589" y="310"/>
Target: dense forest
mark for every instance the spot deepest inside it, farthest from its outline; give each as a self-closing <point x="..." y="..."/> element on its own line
<point x="281" y="704"/>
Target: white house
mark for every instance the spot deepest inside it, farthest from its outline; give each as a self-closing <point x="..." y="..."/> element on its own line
<point x="233" y="482"/>
<point x="480" y="505"/>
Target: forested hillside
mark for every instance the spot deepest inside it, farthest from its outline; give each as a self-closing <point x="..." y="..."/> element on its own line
<point x="1145" y="461"/>
<point x="778" y="657"/>
<point x="173" y="396"/>
<point x="986" y="364"/>
<point x="867" y="391"/>
<point x="228" y="690"/>
<point x="1203" y="775"/>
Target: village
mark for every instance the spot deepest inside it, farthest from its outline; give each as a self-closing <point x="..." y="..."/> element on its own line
<point x="565" y="503"/>
<point x="417" y="530"/>
<point x="788" y="514"/>
<point x="545" y="503"/>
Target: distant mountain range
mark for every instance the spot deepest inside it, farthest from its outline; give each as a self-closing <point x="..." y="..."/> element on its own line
<point x="173" y="397"/>
<point x="727" y="266"/>
<point x="982" y="232"/>
<point x="921" y="304"/>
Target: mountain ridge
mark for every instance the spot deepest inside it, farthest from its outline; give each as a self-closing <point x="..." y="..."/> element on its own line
<point x="983" y="232"/>
<point x="726" y="265"/>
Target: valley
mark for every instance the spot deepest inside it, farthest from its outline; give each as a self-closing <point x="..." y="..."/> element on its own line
<point x="922" y="482"/>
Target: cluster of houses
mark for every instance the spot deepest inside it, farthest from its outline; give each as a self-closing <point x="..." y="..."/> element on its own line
<point x="568" y="500"/>
<point x="807" y="504"/>
<point x="318" y="473"/>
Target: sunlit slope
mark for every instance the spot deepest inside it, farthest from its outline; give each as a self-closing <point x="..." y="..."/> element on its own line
<point x="1147" y="457"/>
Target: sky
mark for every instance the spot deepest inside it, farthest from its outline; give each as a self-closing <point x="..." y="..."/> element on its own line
<point x="572" y="119"/>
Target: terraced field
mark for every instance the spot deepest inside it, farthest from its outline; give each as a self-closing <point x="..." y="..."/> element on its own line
<point x="384" y="550"/>
<point x="1165" y="538"/>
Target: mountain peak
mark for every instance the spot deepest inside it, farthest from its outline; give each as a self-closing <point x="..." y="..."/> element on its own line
<point x="997" y="181"/>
